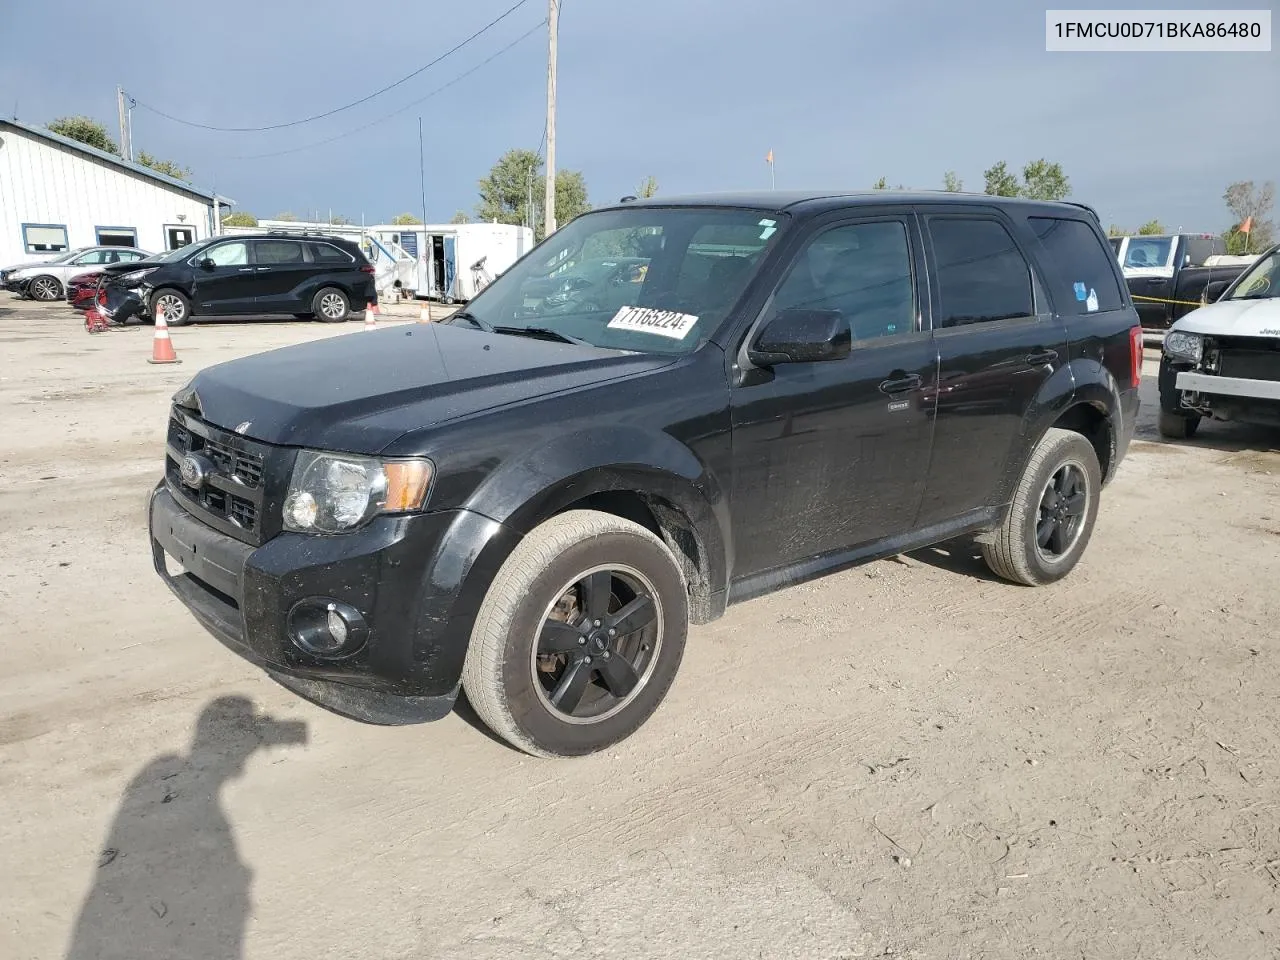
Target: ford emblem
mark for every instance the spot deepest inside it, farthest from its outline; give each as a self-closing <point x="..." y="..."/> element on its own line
<point x="192" y="472"/>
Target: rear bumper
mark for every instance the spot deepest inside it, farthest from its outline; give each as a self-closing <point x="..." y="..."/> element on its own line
<point x="417" y="581"/>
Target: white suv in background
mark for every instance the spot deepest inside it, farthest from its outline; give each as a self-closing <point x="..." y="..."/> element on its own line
<point x="47" y="280"/>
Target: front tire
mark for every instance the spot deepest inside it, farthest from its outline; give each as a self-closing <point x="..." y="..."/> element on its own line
<point x="1051" y="519"/>
<point x="174" y="303"/>
<point x="579" y="636"/>
<point x="1175" y="426"/>
<point x="45" y="289"/>
<point x="330" y="305"/>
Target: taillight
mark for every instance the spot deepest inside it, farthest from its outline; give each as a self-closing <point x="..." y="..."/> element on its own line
<point x="367" y="268"/>
<point x="1135" y="355"/>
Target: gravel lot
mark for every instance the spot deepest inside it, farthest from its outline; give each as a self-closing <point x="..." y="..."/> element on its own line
<point x="907" y="759"/>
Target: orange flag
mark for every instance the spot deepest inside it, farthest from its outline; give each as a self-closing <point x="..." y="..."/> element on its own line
<point x="769" y="158"/>
<point x="1244" y="227"/>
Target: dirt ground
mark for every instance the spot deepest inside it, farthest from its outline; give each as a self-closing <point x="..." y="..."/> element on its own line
<point x="907" y="759"/>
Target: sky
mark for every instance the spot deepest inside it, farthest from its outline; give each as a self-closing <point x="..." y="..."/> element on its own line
<point x="692" y="92"/>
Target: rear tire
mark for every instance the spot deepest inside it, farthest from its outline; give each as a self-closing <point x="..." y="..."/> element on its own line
<point x="1175" y="426"/>
<point x="1051" y="519"/>
<point x="330" y="305"/>
<point x="542" y="669"/>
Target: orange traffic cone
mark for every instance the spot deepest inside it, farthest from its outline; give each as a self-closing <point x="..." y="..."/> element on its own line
<point x="424" y="315"/>
<point x="371" y="315"/>
<point x="161" y="345"/>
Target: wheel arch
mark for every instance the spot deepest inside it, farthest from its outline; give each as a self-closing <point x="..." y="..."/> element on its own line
<point x="1083" y="397"/>
<point x="647" y="477"/>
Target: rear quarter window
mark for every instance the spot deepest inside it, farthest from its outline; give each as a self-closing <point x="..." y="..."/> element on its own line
<point x="1080" y="269"/>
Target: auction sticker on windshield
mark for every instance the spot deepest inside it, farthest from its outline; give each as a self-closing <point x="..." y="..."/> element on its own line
<point x="665" y="323"/>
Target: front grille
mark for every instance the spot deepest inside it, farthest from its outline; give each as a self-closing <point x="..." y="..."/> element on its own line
<point x="1249" y="364"/>
<point x="232" y="496"/>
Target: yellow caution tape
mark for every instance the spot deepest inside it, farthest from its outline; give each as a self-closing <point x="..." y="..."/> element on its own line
<point x="1185" y="303"/>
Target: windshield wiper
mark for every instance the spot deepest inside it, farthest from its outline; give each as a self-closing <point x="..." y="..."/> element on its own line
<point x="545" y="332"/>
<point x="484" y="325"/>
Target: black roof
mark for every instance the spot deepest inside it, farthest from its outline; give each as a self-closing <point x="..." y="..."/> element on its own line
<point x="809" y="203"/>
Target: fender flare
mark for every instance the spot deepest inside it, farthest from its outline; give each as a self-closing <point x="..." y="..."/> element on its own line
<point x="684" y="497"/>
<point x="1083" y="382"/>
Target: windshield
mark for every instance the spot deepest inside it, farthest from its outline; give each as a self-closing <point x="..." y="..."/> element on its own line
<point x="175" y="255"/>
<point x="648" y="279"/>
<point x="1147" y="252"/>
<point x="1261" y="281"/>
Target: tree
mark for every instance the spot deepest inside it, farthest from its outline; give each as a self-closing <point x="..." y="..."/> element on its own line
<point x="648" y="187"/>
<point x="460" y="217"/>
<point x="339" y="221"/>
<point x="405" y="220"/>
<point x="1117" y="231"/>
<point x="167" y="167"/>
<point x="1042" y="180"/>
<point x="881" y="184"/>
<point x="86" y="130"/>
<point x="1250" y="204"/>
<point x="951" y="183"/>
<point x="286" y="217"/>
<point x="1152" y="228"/>
<point x="1000" y="182"/>
<point x="241" y="218"/>
<point x="516" y="179"/>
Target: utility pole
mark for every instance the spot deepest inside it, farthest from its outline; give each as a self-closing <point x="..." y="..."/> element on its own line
<point x="126" y="149"/>
<point x="553" y="28"/>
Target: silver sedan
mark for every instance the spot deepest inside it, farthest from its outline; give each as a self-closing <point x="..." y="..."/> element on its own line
<point x="48" y="280"/>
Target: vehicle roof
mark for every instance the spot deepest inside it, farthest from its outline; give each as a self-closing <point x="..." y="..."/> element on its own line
<point x="811" y="203"/>
<point x="282" y="235"/>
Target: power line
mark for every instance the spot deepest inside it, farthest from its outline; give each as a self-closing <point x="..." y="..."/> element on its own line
<point x="355" y="103"/>
<point x="399" y="110"/>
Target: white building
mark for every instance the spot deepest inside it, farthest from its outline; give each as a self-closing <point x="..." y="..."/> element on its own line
<point x="57" y="194"/>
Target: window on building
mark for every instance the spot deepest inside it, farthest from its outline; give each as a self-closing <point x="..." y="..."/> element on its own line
<point x="117" y="236"/>
<point x="864" y="271"/>
<point x="177" y="237"/>
<point x="982" y="276"/>
<point x="1084" y="278"/>
<point x="44" y="238"/>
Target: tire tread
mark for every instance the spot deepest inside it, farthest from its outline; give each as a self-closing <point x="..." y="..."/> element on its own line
<point x="482" y="669"/>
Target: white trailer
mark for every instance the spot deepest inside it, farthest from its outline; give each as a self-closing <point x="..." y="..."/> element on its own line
<point x="451" y="262"/>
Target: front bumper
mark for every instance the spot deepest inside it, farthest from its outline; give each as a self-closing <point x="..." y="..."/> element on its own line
<point x="417" y="580"/>
<point x="1190" y="380"/>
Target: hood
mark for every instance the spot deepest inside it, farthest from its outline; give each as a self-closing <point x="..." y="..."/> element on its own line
<point x="29" y="265"/>
<point x="1234" y="318"/>
<point x="358" y="392"/>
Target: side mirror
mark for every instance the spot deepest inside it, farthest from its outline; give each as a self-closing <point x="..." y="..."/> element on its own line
<point x="802" y="336"/>
<point x="207" y="264"/>
<point x="1216" y="289"/>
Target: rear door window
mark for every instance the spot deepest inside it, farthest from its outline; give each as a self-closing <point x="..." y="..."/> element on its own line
<point x="1081" y="274"/>
<point x="273" y="253"/>
<point x="982" y="275"/>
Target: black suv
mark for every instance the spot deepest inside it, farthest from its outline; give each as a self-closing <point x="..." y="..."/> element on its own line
<point x="306" y="276"/>
<point x="532" y="500"/>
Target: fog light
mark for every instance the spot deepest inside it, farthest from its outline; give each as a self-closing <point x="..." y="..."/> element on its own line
<point x="327" y="628"/>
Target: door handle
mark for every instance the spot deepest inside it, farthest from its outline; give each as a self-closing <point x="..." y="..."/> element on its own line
<point x="910" y="382"/>
<point x="260" y="269"/>
<point x="247" y="269"/>
<point x="1043" y="357"/>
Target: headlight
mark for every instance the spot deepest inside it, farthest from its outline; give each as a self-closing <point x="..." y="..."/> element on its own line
<point x="134" y="276"/>
<point x="1184" y="346"/>
<point x="337" y="492"/>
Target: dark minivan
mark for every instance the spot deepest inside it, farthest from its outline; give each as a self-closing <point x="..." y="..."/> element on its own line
<point x="533" y="500"/>
<point x="306" y="276"/>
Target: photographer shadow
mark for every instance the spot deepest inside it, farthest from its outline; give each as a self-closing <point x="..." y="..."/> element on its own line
<point x="169" y="880"/>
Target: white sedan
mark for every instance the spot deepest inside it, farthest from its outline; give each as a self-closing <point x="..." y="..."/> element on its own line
<point x="47" y="280"/>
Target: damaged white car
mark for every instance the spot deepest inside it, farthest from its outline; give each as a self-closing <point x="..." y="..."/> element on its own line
<point x="1222" y="360"/>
